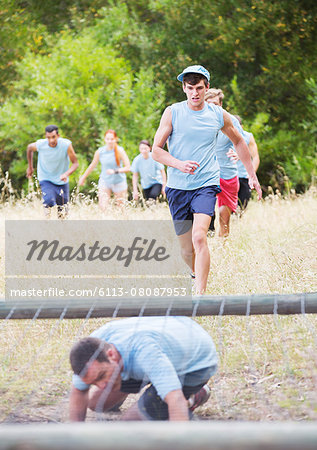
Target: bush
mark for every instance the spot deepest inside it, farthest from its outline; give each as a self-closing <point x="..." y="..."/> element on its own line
<point x="84" y="88"/>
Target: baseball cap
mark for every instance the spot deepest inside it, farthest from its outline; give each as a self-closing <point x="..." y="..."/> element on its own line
<point x="194" y="69"/>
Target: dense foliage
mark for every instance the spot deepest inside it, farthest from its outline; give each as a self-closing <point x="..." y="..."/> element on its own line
<point x="90" y="65"/>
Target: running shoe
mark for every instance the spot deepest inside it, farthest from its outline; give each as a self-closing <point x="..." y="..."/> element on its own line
<point x="199" y="398"/>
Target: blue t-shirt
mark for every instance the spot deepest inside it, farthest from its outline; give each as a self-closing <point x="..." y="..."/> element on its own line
<point x="160" y="350"/>
<point x="194" y="138"/>
<point x="108" y="161"/>
<point x="52" y="162"/>
<point x="242" y="171"/>
<point x="149" y="170"/>
<point x="228" y="168"/>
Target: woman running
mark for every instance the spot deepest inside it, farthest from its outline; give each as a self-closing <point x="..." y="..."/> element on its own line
<point x="114" y="165"/>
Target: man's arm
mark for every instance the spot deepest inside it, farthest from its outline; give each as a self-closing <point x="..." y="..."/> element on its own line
<point x="72" y="156"/>
<point x="177" y="405"/>
<point x="159" y="154"/>
<point x="254" y="153"/>
<point x="78" y="403"/>
<point x="243" y="151"/>
<point x="31" y="148"/>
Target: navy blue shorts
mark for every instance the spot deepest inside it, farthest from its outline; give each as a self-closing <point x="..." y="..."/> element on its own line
<point x="184" y="204"/>
<point x="153" y="191"/>
<point x="54" y="194"/>
<point x="244" y="193"/>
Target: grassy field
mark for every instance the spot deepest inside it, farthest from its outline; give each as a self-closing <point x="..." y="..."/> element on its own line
<point x="268" y="364"/>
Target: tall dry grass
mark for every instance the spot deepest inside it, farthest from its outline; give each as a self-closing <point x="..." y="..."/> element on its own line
<point x="268" y="364"/>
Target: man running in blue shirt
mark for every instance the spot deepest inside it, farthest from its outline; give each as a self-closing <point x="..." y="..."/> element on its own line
<point x="173" y="356"/>
<point x="53" y="169"/>
<point x="191" y="128"/>
<point x="153" y="177"/>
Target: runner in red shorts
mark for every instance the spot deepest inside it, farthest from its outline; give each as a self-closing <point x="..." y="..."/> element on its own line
<point x="229" y="181"/>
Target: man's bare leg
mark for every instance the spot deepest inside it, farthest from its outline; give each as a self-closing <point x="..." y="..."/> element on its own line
<point x="224" y="220"/>
<point x="202" y="256"/>
<point x="187" y="249"/>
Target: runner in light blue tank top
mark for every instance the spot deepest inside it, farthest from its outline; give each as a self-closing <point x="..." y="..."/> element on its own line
<point x="153" y="177"/>
<point x="108" y="161"/>
<point x="52" y="161"/>
<point x="54" y="155"/>
<point x="114" y="165"/>
<point x="185" y="143"/>
<point x="149" y="170"/>
<point x="191" y="129"/>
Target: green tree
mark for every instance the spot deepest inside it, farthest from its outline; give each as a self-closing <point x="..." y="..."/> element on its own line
<point x="18" y="33"/>
<point x="259" y="53"/>
<point x="85" y="89"/>
<point x="268" y="46"/>
<point x="302" y="166"/>
<point x="56" y="14"/>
